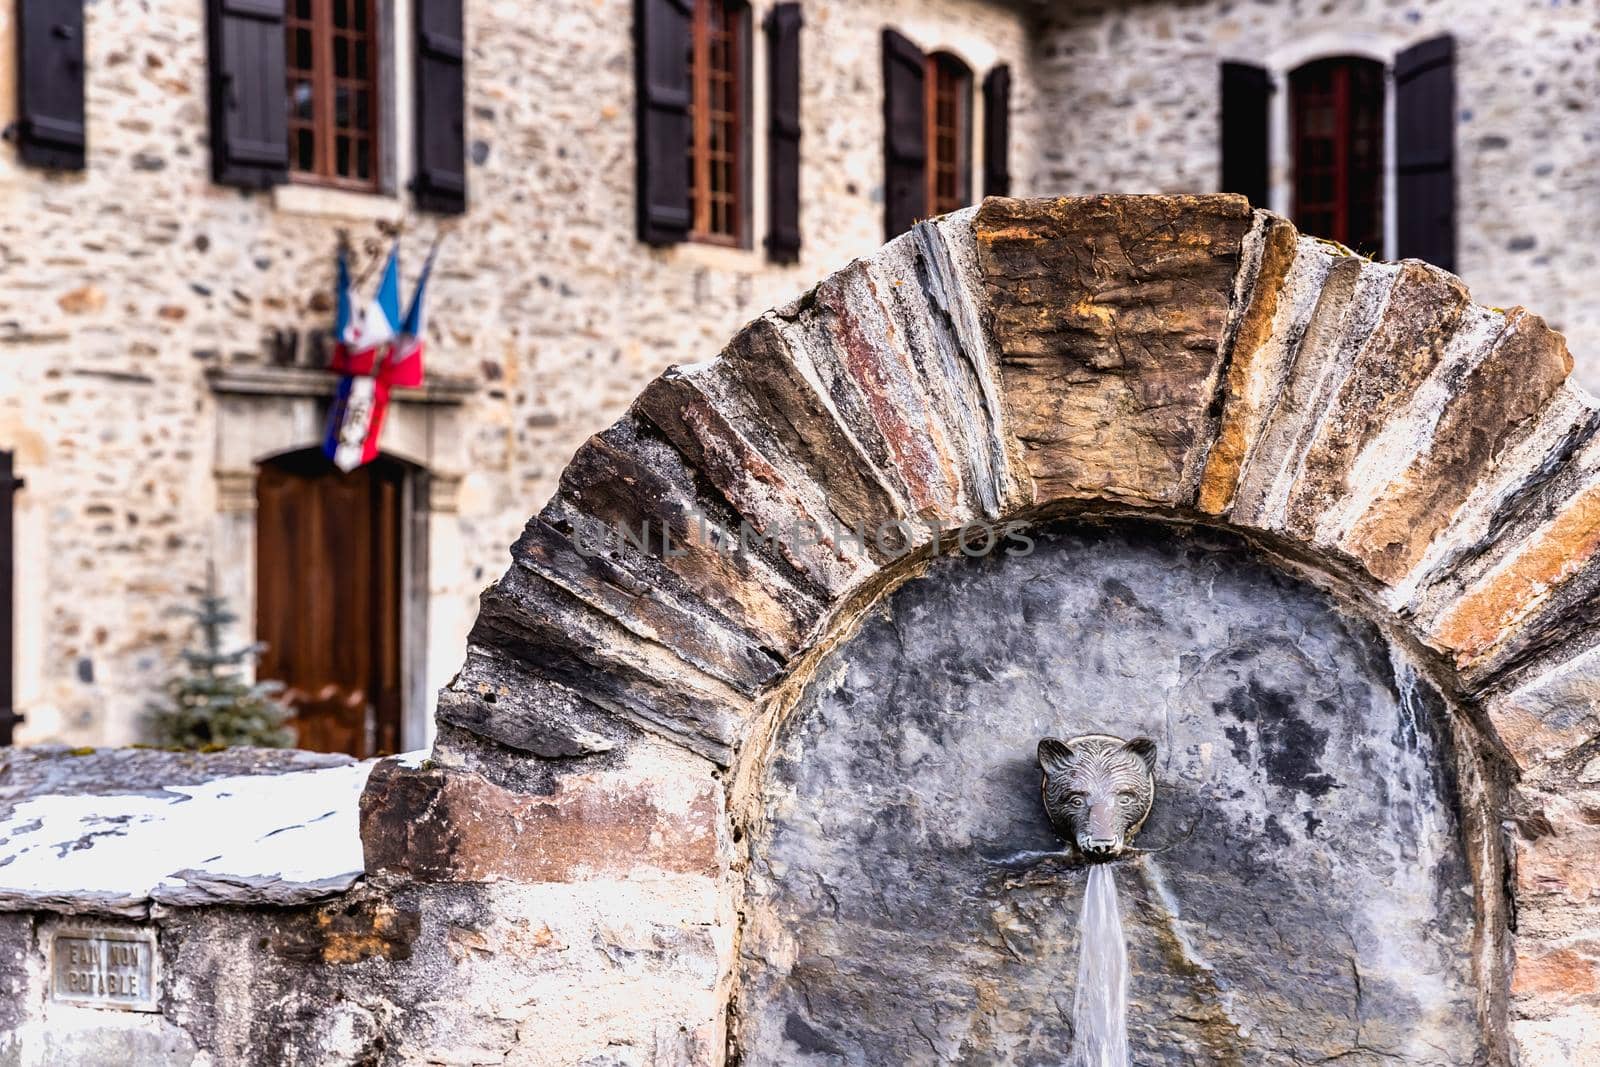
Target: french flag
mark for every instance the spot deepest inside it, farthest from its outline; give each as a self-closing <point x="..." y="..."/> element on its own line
<point x="376" y="350"/>
<point x="363" y="337"/>
<point x="405" y="355"/>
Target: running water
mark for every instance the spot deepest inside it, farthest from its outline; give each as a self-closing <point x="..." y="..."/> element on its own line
<point x="1100" y="1005"/>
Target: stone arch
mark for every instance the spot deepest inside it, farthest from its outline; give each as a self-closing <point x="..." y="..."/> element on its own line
<point x="1180" y="358"/>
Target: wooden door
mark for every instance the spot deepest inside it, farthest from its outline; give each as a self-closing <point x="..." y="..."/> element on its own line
<point x="328" y="598"/>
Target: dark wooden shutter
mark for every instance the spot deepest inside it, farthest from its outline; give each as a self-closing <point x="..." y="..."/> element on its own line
<point x="783" y="133"/>
<point x="1246" y="96"/>
<point x="441" y="108"/>
<point x="50" y="130"/>
<point x="997" y="132"/>
<point x="249" y="113"/>
<point x="905" y="148"/>
<point x="661" y="42"/>
<point x="9" y="484"/>
<point x="1425" y="151"/>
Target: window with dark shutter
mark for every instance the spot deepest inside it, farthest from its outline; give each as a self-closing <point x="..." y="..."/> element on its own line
<point x="249" y="128"/>
<point x="661" y="45"/>
<point x="440" y="183"/>
<point x="997" y="132"/>
<point x="332" y="86"/>
<point x="1336" y="109"/>
<point x="717" y="144"/>
<point x="1246" y="144"/>
<point x="905" y="146"/>
<point x="1425" y="152"/>
<point x="783" y="133"/>
<point x="50" y="130"/>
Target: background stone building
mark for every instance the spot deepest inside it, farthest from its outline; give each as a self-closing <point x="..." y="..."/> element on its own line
<point x="158" y="326"/>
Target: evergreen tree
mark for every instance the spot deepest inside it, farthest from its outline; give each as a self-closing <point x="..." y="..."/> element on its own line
<point x="210" y="706"/>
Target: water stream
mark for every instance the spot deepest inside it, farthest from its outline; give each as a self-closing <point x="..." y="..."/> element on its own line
<point x="1100" y="1004"/>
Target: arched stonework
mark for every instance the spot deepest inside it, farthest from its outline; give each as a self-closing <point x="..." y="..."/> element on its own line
<point x="1181" y="358"/>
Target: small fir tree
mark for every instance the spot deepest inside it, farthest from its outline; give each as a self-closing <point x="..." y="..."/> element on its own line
<point x="210" y="705"/>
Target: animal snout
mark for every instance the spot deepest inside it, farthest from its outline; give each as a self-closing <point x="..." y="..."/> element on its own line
<point x="1100" y="847"/>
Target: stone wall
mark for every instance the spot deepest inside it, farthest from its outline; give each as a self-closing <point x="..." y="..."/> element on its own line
<point x="121" y="286"/>
<point x="1130" y="103"/>
<point x="1303" y="893"/>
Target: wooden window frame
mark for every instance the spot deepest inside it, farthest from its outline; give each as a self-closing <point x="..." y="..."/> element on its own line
<point x="1355" y="91"/>
<point x="947" y="113"/>
<point x="324" y="86"/>
<point x="729" y="226"/>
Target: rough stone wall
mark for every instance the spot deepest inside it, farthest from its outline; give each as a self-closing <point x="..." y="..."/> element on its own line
<point x="1305" y="897"/>
<point x="1130" y="103"/>
<point x="120" y="286"/>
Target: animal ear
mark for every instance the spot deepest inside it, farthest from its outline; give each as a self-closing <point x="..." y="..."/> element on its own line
<point x="1145" y="749"/>
<point x="1054" y="755"/>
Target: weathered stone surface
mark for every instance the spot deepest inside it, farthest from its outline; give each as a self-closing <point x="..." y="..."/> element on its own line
<point x="1258" y="348"/>
<point x="530" y="619"/>
<point x="783" y="413"/>
<point x="1566" y="1038"/>
<point x="657" y="812"/>
<point x="959" y="359"/>
<point x="1352" y="298"/>
<point x="845" y="343"/>
<point x="282" y="832"/>
<point x="47" y="770"/>
<point x="1555" y="974"/>
<point x="1109" y="313"/>
<point x="1421" y="313"/>
<point x="1527" y="364"/>
<point x="507" y="703"/>
<point x="628" y="482"/>
<point x="544" y="974"/>
<point x="1307" y="898"/>
<point x="693" y="629"/>
<point x="1540" y="596"/>
<point x="1556" y="847"/>
<point x="1552" y="715"/>
<point x="1500" y="503"/>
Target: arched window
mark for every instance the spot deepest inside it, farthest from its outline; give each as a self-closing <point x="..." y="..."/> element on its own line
<point x="1336" y="109"/>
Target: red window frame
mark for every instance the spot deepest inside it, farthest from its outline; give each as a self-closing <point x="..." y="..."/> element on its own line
<point x="717" y="116"/>
<point x="1337" y="133"/>
<point x="948" y="114"/>
<point x="332" y="92"/>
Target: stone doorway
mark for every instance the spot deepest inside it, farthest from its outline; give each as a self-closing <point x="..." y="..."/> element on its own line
<point x="331" y="570"/>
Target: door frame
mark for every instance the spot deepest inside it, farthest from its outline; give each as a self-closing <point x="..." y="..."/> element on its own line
<point x="266" y="412"/>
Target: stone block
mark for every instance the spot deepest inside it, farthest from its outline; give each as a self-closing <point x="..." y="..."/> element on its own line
<point x="1565" y="1039"/>
<point x="1520" y="374"/>
<point x="1423" y="309"/>
<point x="1551" y="715"/>
<point x="1282" y="291"/>
<point x="1109" y="313"/>
<point x="657" y="815"/>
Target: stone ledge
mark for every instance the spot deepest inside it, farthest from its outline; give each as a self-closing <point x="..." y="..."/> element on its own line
<point x="96" y="842"/>
<point x="261" y="380"/>
<point x="444" y="824"/>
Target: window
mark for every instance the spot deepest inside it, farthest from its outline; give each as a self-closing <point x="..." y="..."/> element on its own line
<point x="1336" y="110"/>
<point x="331" y="53"/>
<point x="949" y="88"/>
<point x="716" y="114"/>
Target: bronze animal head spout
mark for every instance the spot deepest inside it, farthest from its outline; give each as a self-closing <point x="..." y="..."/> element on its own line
<point x="1098" y="790"/>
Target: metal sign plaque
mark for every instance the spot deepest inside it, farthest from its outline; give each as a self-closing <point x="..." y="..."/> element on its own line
<point x="110" y="968"/>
